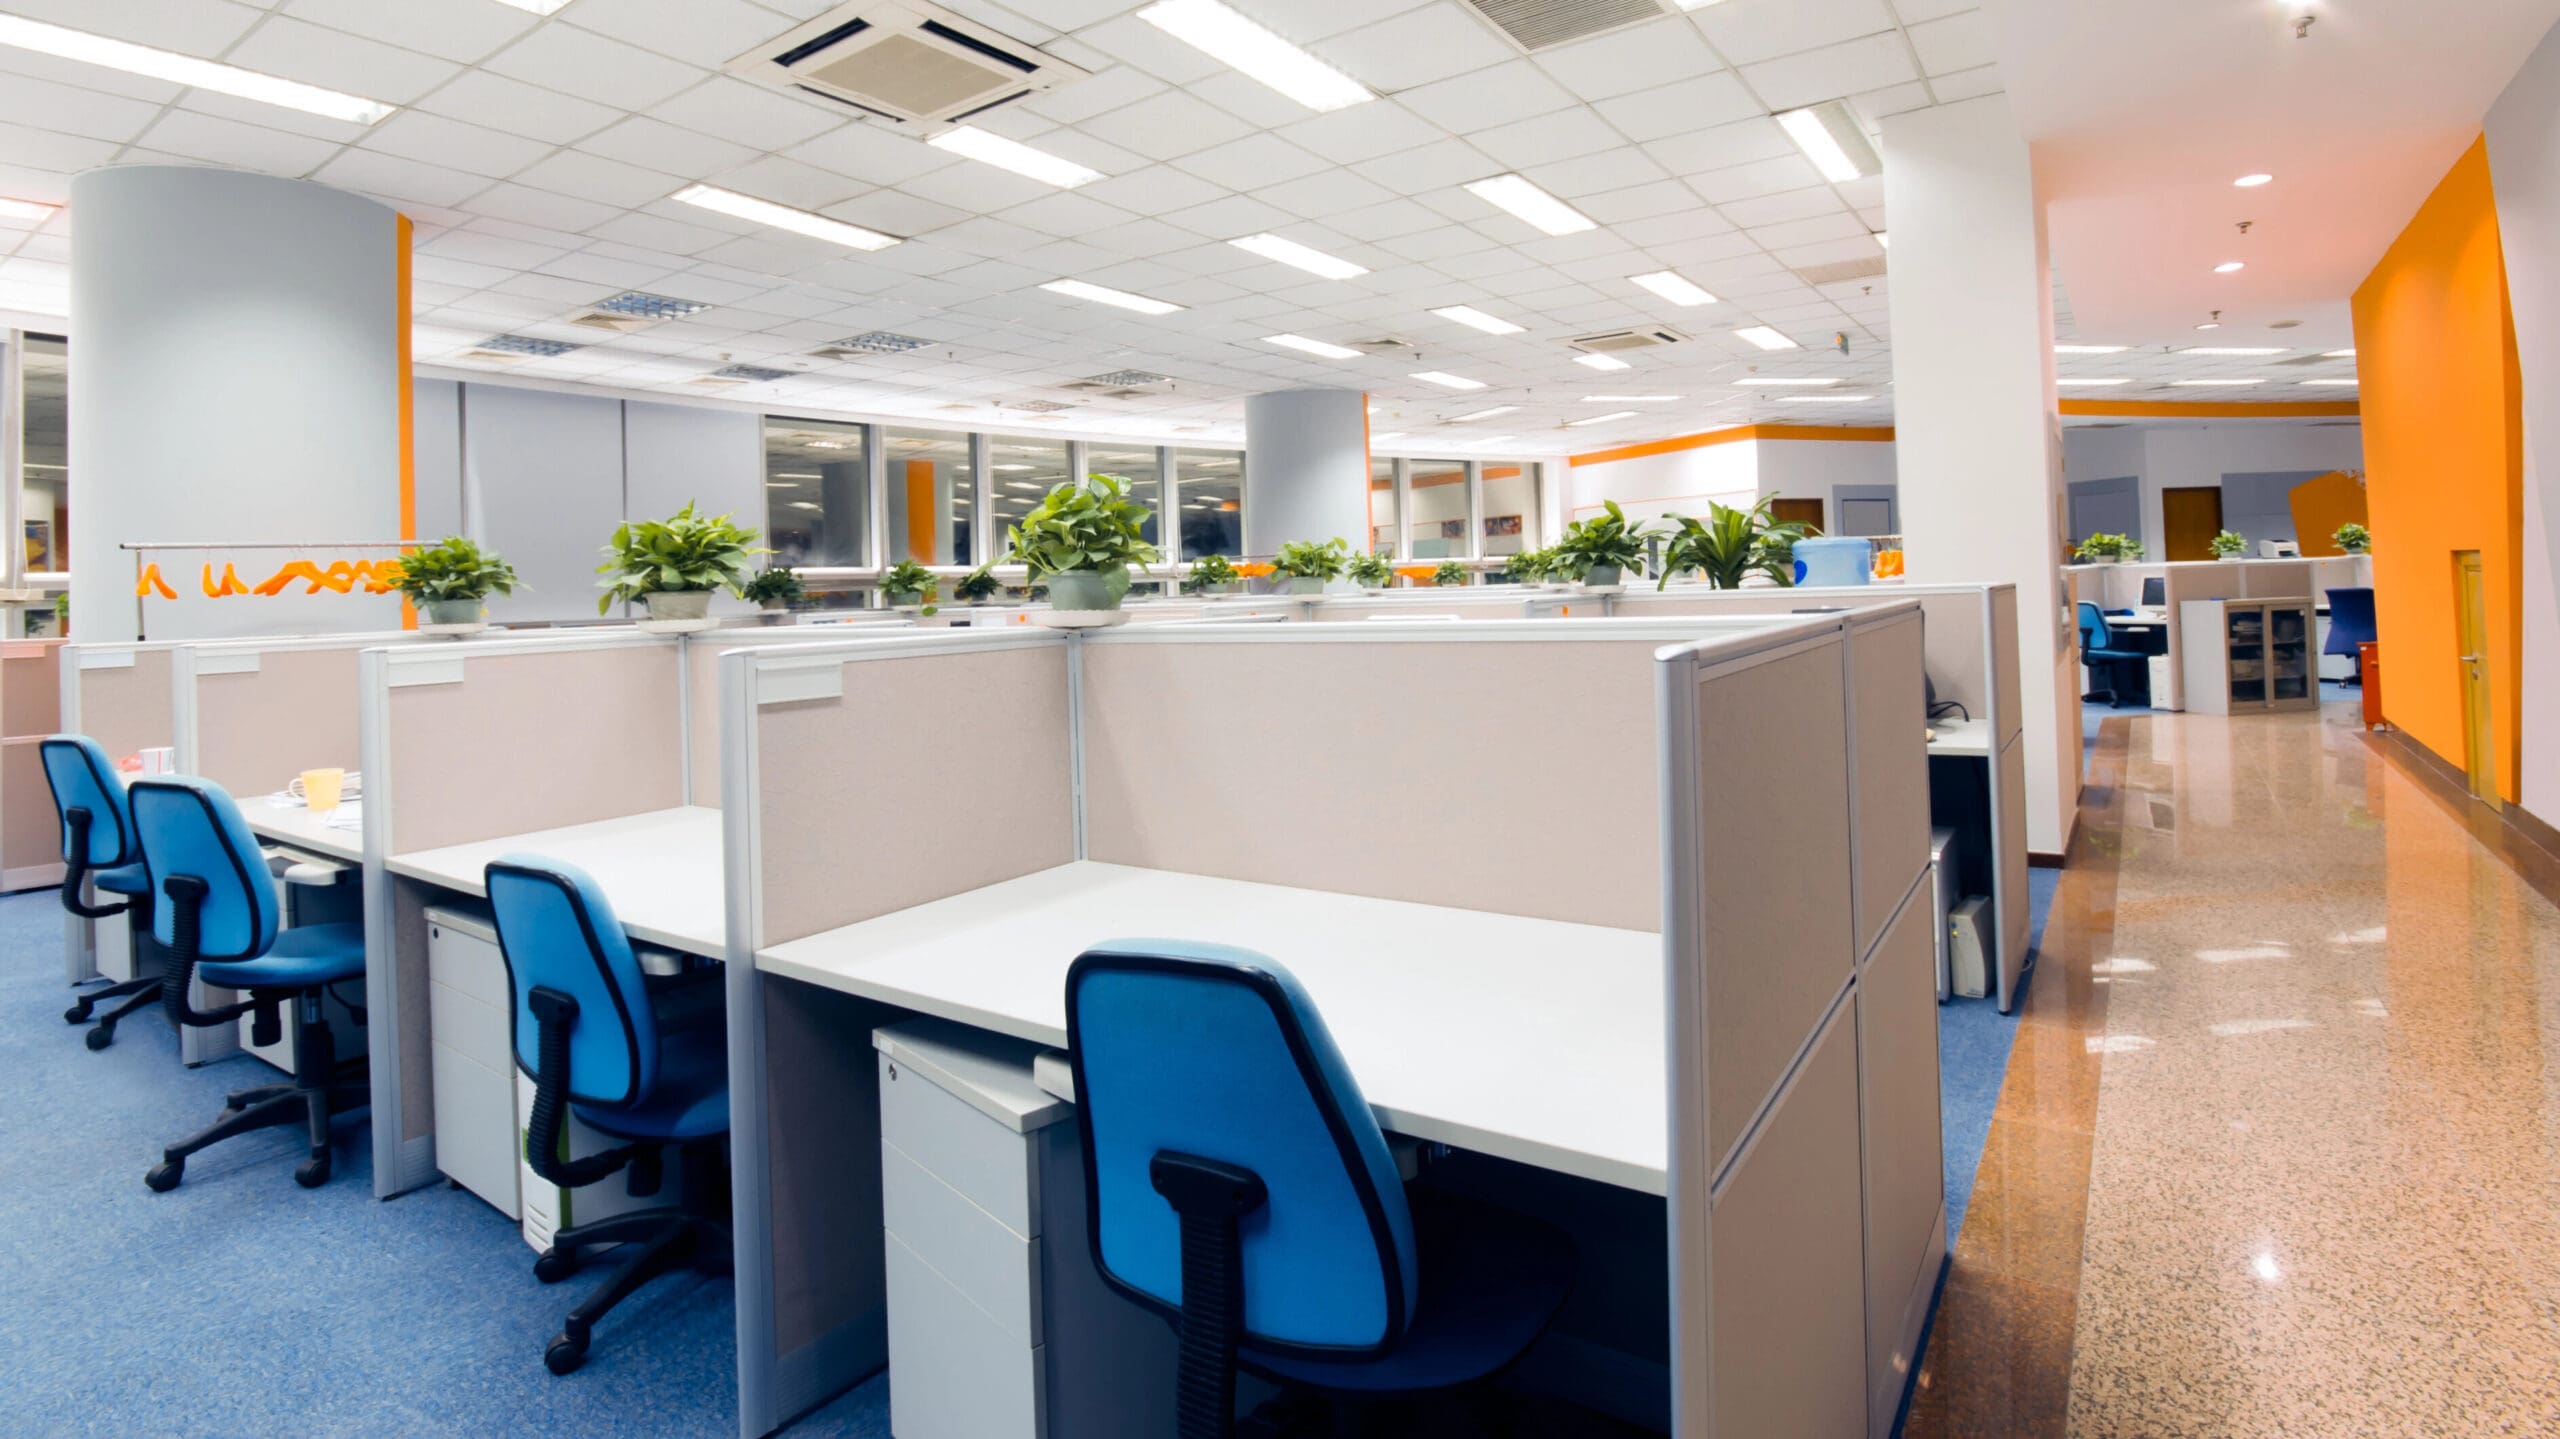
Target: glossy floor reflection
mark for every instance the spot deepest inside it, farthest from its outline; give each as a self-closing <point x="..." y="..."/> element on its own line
<point x="2276" y="1155"/>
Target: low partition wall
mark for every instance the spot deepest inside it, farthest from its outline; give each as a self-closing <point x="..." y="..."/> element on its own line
<point x="30" y="707"/>
<point x="252" y="715"/>
<point x="1476" y="602"/>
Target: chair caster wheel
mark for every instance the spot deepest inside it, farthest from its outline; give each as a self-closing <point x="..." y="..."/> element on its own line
<point x="554" y="1266"/>
<point x="100" y="1037"/>
<point x="564" y="1354"/>
<point x="77" y="1014"/>
<point x="164" y="1176"/>
<point x="313" y="1172"/>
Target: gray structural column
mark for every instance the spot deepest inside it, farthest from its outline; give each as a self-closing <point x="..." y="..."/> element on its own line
<point x="1307" y="466"/>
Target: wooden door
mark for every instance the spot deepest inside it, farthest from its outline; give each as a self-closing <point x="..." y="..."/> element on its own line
<point x="2479" y="733"/>
<point x="1800" y="512"/>
<point x="2191" y="517"/>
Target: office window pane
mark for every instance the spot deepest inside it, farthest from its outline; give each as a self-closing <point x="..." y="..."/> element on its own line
<point x="46" y="387"/>
<point x="932" y="486"/>
<point x="1511" y="507"/>
<point x="1026" y="467"/>
<point x="1439" y="519"/>
<point x="817" y="493"/>
<point x="1212" y="502"/>
<point x="1382" y="506"/>
<point x="1137" y="465"/>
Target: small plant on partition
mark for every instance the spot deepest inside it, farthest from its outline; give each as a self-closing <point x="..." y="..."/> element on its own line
<point x="1370" y="572"/>
<point x="675" y="565"/>
<point x="774" y="589"/>
<point x="976" y="587"/>
<point x="2353" y="538"/>
<point x="2106" y="549"/>
<point x="1730" y="545"/>
<point x="2229" y="545"/>
<point x="1309" y="566"/>
<point x="1450" y="573"/>
<point x="451" y="578"/>
<point x="1080" y="541"/>
<point x="1528" y="567"/>
<point x="908" y="585"/>
<point x="1213" y="575"/>
<point x="1601" y="550"/>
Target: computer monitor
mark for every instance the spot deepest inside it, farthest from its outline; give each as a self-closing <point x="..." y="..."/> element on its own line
<point x="2155" y="592"/>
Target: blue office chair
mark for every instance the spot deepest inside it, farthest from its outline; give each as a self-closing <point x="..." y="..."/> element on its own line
<point x="98" y="848"/>
<point x="587" y="1032"/>
<point x="2351" y="624"/>
<point x="217" y="913"/>
<point x="2098" y="650"/>
<point x="1237" y="1183"/>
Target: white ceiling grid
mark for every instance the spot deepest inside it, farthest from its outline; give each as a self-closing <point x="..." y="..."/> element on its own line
<point x="538" y="155"/>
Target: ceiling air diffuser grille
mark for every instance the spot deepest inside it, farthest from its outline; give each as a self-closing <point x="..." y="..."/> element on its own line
<point x="1616" y="341"/>
<point x="1536" y="25"/>
<point x="905" y="60"/>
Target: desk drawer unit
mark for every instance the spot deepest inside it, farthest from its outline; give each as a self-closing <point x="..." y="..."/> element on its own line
<point x="472" y="1072"/>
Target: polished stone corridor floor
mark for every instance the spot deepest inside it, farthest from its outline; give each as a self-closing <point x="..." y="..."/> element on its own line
<point x="2279" y="1149"/>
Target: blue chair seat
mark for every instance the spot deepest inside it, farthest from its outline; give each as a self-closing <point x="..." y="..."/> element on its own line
<point x="1491" y="1281"/>
<point x="690" y="1099"/>
<point x="123" y="879"/>
<point x="301" y="957"/>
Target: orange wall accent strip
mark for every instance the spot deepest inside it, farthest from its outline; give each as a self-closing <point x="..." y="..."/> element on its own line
<point x="921" y="512"/>
<point x="2213" y="409"/>
<point x="2444" y="460"/>
<point x="405" y="232"/>
<point x="1735" y="436"/>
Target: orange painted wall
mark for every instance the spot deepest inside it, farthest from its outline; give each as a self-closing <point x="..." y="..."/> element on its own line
<point x="2444" y="460"/>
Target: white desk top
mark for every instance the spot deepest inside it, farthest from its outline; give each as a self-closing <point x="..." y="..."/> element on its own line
<point x="299" y="828"/>
<point x="1528" y="1039"/>
<point x="1961" y="737"/>
<point x="2145" y="620"/>
<point x="661" y="871"/>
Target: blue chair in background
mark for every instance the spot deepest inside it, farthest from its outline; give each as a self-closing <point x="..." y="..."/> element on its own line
<point x="98" y="847"/>
<point x="2104" y="657"/>
<point x="2351" y="624"/>
<point x="215" y="909"/>
<point x="1236" y="1182"/>
<point x="587" y="1032"/>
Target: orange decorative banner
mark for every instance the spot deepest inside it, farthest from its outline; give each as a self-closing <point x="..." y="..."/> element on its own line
<point x="150" y="580"/>
<point x="376" y="577"/>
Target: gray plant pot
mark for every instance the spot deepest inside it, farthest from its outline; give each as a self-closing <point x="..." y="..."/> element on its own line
<point x="453" y="612"/>
<point x="1599" y="576"/>
<point x="904" y="599"/>
<point x="678" y="604"/>
<point x="773" y="607"/>
<point x="1081" y="590"/>
<point x="1305" y="585"/>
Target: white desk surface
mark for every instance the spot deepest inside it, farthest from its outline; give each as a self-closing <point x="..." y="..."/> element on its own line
<point x="1527" y="1039"/>
<point x="661" y="871"/>
<point x="299" y="828"/>
<point x="1961" y="737"/>
<point x="2149" y="620"/>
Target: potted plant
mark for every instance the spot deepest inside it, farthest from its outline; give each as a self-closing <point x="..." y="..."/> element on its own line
<point x="1528" y="567"/>
<point x="1214" y="575"/>
<point x="1730" y="545"/>
<point x="1309" y="566"/>
<point x="1450" y="573"/>
<point x="2107" y="549"/>
<point x="2229" y="545"/>
<point x="676" y="564"/>
<point x="2353" y="538"/>
<point x="450" y="579"/>
<point x="774" y="590"/>
<point x="907" y="585"/>
<point x="1602" y="550"/>
<point x="1370" y="572"/>
<point x="976" y="587"/>
<point x="1080" y="541"/>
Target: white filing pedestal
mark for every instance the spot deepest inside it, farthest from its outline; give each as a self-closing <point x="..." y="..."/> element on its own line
<point x="471" y="1068"/>
<point x="999" y="1325"/>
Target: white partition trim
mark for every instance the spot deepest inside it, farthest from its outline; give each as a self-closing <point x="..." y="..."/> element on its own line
<point x="1682" y="630"/>
<point x="742" y="691"/>
<point x="117" y="658"/>
<point x="1075" y="743"/>
<point x="205" y="660"/>
<point x="439" y="670"/>
<point x="381" y="941"/>
<point x="1690" y="1225"/>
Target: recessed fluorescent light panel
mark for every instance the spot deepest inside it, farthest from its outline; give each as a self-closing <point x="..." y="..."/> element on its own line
<point x="1240" y="43"/>
<point x="989" y="148"/>
<point x="1673" y="288"/>
<point x="1101" y="295"/>
<point x="1602" y="362"/>
<point x="1832" y="139"/>
<point x="1290" y="252"/>
<point x="880" y="342"/>
<point x="1475" y="319"/>
<point x="2231" y="350"/>
<point x="35" y="210"/>
<point x="527" y="345"/>
<point x="2089" y="349"/>
<point x="2202" y="384"/>
<point x="1600" y="419"/>
<point x="1312" y="347"/>
<point x="1484" y="414"/>
<point x="188" y="70"/>
<point x="783" y="217"/>
<point x="1766" y="338"/>
<point x="1512" y="193"/>
<point x="641" y="305"/>
<point x="1628" y="399"/>
<point x="1448" y="381"/>
<point x="1776" y="382"/>
<point x="2074" y="381"/>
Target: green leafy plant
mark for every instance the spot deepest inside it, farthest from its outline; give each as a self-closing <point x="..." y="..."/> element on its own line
<point x="1605" y="539"/>
<point x="1450" y="573"/>
<point x="1527" y="567"/>
<point x="2229" y="542"/>
<point x="1308" y="560"/>
<point x="2353" y="538"/>
<point x="2108" y="547"/>
<point x="1210" y="571"/>
<point x="1730" y="545"/>
<point x="454" y="569"/>
<point x="1370" y="571"/>
<point x="1083" y="526"/>
<point x="979" y="584"/>
<point x="680" y="554"/>
<point x="909" y="583"/>
<point x="776" y="586"/>
<point x="62" y="606"/>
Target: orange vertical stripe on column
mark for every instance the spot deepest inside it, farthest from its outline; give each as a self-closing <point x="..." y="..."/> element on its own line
<point x="921" y="512"/>
<point x="408" y="411"/>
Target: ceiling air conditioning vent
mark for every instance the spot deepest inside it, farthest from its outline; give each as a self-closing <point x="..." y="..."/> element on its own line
<point x="756" y="373"/>
<point x="1037" y="407"/>
<point x="1843" y="271"/>
<point x="904" y="60"/>
<point x="1123" y="380"/>
<point x="1616" y="341"/>
<point x="870" y="342"/>
<point x="1536" y="25"/>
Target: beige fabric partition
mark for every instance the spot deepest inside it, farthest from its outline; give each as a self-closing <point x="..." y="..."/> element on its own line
<point x="30" y="709"/>
<point x="1958" y="658"/>
<point x="972" y="737"/>
<point x="255" y="730"/>
<point x="1889" y="777"/>
<point x="1257" y="756"/>
<point x="123" y="697"/>
<point x="1457" y="602"/>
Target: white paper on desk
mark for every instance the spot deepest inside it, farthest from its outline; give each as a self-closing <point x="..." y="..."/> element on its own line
<point x="281" y="800"/>
<point x="345" y="816"/>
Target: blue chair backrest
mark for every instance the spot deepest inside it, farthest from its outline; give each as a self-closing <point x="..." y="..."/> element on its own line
<point x="189" y="826"/>
<point x="2351" y="612"/>
<point x="1217" y="1053"/>
<point x="2094" y="634"/>
<point x="556" y="931"/>
<point x="81" y="778"/>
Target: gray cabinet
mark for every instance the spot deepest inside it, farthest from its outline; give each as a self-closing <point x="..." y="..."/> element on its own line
<point x="2247" y="656"/>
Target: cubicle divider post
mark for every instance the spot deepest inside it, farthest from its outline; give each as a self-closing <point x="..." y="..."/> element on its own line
<point x="118" y="695"/>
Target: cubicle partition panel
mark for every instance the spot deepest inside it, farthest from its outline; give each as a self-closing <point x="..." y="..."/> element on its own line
<point x="701" y="659"/>
<point x="30" y="709"/>
<point x="252" y="715"/>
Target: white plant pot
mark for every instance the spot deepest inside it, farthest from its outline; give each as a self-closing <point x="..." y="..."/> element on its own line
<point x="453" y="612"/>
<point x="678" y="604"/>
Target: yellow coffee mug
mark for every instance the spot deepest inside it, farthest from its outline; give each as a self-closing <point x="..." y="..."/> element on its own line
<point x="320" y="789"/>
